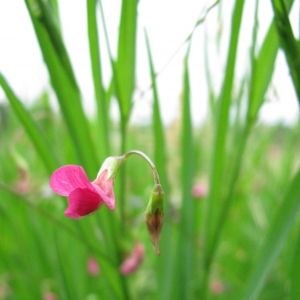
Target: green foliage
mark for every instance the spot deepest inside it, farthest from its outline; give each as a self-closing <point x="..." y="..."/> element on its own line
<point x="288" y="42"/>
<point x="239" y="241"/>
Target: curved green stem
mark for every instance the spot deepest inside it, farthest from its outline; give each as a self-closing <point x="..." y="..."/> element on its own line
<point x="149" y="161"/>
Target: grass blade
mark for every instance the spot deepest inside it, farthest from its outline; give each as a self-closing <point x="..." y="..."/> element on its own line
<point x="37" y="137"/>
<point x="263" y="67"/>
<point x="163" y="270"/>
<point x="63" y="84"/>
<point x="288" y="42"/>
<point x="124" y="77"/>
<point x="125" y="65"/>
<point x="102" y="109"/>
<point x="218" y="158"/>
<point x="184" y="267"/>
<point x="273" y="242"/>
<point x="186" y="249"/>
<point x="295" y="271"/>
<point x="47" y="18"/>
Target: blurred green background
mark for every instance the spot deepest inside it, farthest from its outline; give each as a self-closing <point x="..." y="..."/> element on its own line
<point x="232" y="184"/>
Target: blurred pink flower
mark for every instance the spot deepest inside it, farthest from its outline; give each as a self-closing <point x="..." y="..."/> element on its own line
<point x="84" y="197"/>
<point x="217" y="287"/>
<point x="1" y="292"/>
<point x="200" y="190"/>
<point x="132" y="262"/>
<point x="5" y="290"/>
<point x="49" y="296"/>
<point x="93" y="266"/>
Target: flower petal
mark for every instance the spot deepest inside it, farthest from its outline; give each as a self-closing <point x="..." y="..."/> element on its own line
<point x="135" y="259"/>
<point x="129" y="265"/>
<point x="107" y="186"/>
<point x="82" y="202"/>
<point x="68" y="178"/>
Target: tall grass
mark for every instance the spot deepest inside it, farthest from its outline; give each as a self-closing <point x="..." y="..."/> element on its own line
<point x="239" y="239"/>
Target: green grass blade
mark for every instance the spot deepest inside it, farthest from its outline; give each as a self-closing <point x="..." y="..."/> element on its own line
<point x="123" y="79"/>
<point x="125" y="66"/>
<point x="100" y="94"/>
<point x="163" y="271"/>
<point x="160" y="156"/>
<point x="263" y="71"/>
<point x="184" y="270"/>
<point x="288" y="42"/>
<point x="241" y="132"/>
<point x="56" y="222"/>
<point x="47" y="16"/>
<point x="211" y="93"/>
<point x="65" y="88"/>
<point x="186" y="249"/>
<point x="295" y="271"/>
<point x="263" y="67"/>
<point x="109" y="264"/>
<point x="37" y="137"/>
<point x="218" y="159"/>
<point x="274" y="240"/>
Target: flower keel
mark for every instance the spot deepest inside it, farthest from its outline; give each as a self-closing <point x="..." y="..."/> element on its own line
<point x="82" y="202"/>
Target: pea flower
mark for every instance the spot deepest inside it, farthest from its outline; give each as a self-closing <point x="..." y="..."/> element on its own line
<point x="85" y="197"/>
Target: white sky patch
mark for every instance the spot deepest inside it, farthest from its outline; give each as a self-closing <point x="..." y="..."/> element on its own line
<point x="168" y="23"/>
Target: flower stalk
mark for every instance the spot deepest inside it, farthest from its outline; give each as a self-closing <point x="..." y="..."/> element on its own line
<point x="155" y="208"/>
<point x="149" y="161"/>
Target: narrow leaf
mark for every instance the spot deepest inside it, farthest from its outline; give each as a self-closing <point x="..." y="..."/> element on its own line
<point x="125" y="66"/>
<point x="62" y="80"/>
<point x="288" y="42"/>
<point x="164" y="272"/>
<point x="100" y="94"/>
<point x="262" y="68"/>
<point x="274" y="240"/>
<point x="37" y="137"/>
<point x="185" y="252"/>
<point x="295" y="271"/>
<point x="218" y="158"/>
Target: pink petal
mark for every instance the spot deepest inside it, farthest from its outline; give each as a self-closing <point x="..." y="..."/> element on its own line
<point x="82" y="202"/>
<point x="129" y="265"/>
<point x="133" y="262"/>
<point x="49" y="296"/>
<point x="107" y="186"/>
<point x="139" y="251"/>
<point x="93" y="266"/>
<point x="68" y="178"/>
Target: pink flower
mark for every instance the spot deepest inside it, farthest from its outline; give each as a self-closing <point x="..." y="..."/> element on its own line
<point x="49" y="296"/>
<point x="217" y="287"/>
<point x="135" y="259"/>
<point x="84" y="197"/>
<point x="93" y="266"/>
<point x="200" y="190"/>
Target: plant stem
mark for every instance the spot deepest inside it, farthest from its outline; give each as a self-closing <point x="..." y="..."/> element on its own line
<point x="149" y="161"/>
